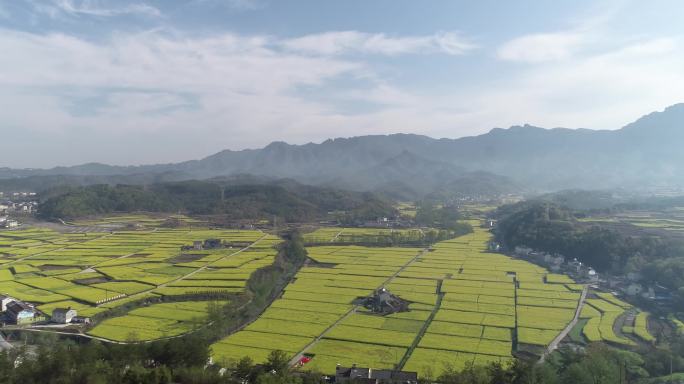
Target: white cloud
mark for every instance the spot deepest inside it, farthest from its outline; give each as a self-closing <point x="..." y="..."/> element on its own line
<point x="242" y="92"/>
<point x="542" y="47"/>
<point x="606" y="89"/>
<point x="156" y="97"/>
<point x="240" y="5"/>
<point x="94" y="8"/>
<point x="342" y="42"/>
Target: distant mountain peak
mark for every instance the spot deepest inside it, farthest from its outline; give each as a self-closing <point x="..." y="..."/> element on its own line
<point x="670" y="119"/>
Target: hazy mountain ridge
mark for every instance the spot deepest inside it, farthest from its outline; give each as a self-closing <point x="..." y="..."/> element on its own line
<point x="644" y="152"/>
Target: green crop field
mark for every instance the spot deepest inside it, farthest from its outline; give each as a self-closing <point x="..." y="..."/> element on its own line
<point x="94" y="272"/>
<point x="470" y="293"/>
<point x="602" y="314"/>
<point x="640" y="328"/>
<point x="335" y="235"/>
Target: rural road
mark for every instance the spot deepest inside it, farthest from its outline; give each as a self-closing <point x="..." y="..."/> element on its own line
<point x="554" y="344"/>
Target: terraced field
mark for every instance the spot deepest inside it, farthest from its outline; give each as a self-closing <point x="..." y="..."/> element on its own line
<point x="602" y="313"/>
<point x="96" y="272"/>
<point x="467" y="305"/>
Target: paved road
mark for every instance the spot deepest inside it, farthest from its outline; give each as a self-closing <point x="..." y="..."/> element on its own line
<point x="554" y="344"/>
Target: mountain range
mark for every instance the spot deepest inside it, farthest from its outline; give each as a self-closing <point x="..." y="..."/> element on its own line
<point x="647" y="152"/>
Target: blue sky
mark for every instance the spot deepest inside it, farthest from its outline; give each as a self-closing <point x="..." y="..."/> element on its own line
<point x="130" y="82"/>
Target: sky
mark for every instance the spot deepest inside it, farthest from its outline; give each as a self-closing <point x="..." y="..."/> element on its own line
<point x="130" y="82"/>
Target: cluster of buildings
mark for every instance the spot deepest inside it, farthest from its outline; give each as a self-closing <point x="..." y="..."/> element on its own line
<point x="633" y="285"/>
<point x="356" y="374"/>
<point x="579" y="271"/>
<point x="22" y="313"/>
<point x="630" y="285"/>
<point x="21" y="207"/>
<point x="17" y="195"/>
<point x="6" y="222"/>
<point x="8" y="207"/>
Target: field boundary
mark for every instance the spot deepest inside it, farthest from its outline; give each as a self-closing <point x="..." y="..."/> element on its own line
<point x="554" y="344"/>
<point x="301" y="353"/>
<point x="424" y="328"/>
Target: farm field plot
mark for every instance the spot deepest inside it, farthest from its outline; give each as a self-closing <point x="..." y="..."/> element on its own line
<point x="154" y="322"/>
<point x="602" y="313"/>
<point x="471" y="292"/>
<point x="363" y="235"/>
<point x="93" y="272"/>
<point x="318" y="298"/>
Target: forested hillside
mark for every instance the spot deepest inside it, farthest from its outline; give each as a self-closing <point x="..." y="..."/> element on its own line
<point x="548" y="227"/>
<point x="293" y="202"/>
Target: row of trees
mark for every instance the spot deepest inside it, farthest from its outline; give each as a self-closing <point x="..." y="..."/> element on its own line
<point x="184" y="360"/>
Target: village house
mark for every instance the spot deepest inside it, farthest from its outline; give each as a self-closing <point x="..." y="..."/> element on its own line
<point x="63" y="315"/>
<point x="373" y="376"/>
<point x="20" y="313"/>
<point x="9" y="223"/>
<point x="4" y="300"/>
<point x="634" y="289"/>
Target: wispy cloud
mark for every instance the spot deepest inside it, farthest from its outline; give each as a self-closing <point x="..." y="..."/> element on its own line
<point x="541" y="47"/>
<point x="349" y="42"/>
<point x="58" y="8"/>
<point x="240" y="5"/>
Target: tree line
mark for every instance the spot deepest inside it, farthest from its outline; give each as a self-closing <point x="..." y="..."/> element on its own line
<point x="292" y="203"/>
<point x="186" y="360"/>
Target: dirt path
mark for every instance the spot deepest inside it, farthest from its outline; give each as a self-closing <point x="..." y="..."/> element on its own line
<point x="55" y="249"/>
<point x="200" y="269"/>
<point x="423" y="329"/>
<point x="554" y="344"/>
<point x="299" y="355"/>
<point x="336" y="236"/>
<point x="81" y="334"/>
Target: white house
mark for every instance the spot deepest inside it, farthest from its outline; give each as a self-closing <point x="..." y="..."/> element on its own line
<point x="634" y="289"/>
<point x="4" y="300"/>
<point x="63" y="315"/>
<point x="9" y="223"/>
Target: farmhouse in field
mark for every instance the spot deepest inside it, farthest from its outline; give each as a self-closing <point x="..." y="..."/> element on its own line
<point x="373" y="376"/>
<point x="63" y="315"/>
<point x="385" y="302"/>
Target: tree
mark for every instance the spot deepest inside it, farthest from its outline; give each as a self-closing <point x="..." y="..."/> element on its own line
<point x="277" y="361"/>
